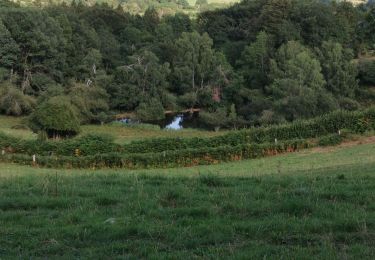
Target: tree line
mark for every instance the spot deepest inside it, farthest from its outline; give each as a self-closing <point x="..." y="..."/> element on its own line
<point x="257" y="62"/>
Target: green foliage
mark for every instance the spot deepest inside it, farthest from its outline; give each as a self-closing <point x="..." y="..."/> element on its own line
<point x="197" y="65"/>
<point x="177" y="158"/>
<point x="151" y="110"/>
<point x="93" y="59"/>
<point x="215" y="119"/>
<point x="9" y="49"/>
<point x="100" y="151"/>
<point x="220" y="118"/>
<point x="90" y="144"/>
<point x="295" y="62"/>
<point x="276" y="61"/>
<point x="298" y="84"/>
<point x="14" y="102"/>
<point x="339" y="71"/>
<point x="90" y="100"/>
<point x="356" y="122"/>
<point x="330" y="140"/>
<point x="367" y="72"/>
<point x="102" y="118"/>
<point x="40" y="44"/>
<point x="367" y="28"/>
<point x="274" y="13"/>
<point x="141" y="79"/>
<point x="93" y="144"/>
<point x="57" y="116"/>
<point x="255" y="61"/>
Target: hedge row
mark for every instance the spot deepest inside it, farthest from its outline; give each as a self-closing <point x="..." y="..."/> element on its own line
<point x="177" y="158"/>
<point x="355" y="122"/>
<point x="86" y="145"/>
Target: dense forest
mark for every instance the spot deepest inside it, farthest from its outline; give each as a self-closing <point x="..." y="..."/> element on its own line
<point x="256" y="62"/>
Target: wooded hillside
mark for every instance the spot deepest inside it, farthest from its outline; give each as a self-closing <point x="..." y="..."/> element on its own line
<point x="257" y="62"/>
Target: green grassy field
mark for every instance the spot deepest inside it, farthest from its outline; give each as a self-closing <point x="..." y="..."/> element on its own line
<point x="314" y="204"/>
<point x="11" y="126"/>
<point x="122" y="134"/>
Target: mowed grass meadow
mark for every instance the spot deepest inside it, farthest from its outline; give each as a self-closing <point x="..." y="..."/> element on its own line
<point x="315" y="204"/>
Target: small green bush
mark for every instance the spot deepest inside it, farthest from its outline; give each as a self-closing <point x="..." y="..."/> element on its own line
<point x="330" y="140"/>
<point x="93" y="144"/>
<point x="56" y="116"/>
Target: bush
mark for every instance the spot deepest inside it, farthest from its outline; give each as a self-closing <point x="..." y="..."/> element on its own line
<point x="330" y="140"/>
<point x="95" y="144"/>
<point x="14" y="102"/>
<point x="57" y="117"/>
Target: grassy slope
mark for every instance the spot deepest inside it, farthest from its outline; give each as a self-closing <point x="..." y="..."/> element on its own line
<point x="315" y="203"/>
<point x="121" y="134"/>
<point x="8" y="124"/>
<point x="127" y="134"/>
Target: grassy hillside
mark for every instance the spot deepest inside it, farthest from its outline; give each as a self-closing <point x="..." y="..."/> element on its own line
<point x="315" y="204"/>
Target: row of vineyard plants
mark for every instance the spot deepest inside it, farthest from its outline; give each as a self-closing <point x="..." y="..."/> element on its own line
<point x="102" y="151"/>
<point x="173" y="158"/>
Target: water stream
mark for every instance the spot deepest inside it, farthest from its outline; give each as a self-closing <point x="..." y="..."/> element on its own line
<point x="172" y="121"/>
<point x="176" y="124"/>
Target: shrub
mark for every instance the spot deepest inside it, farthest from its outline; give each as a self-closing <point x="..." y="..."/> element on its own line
<point x="14" y="102"/>
<point x="330" y="140"/>
<point x="57" y="117"/>
<point x="95" y="144"/>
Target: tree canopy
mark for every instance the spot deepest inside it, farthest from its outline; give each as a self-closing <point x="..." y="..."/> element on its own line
<point x="266" y="61"/>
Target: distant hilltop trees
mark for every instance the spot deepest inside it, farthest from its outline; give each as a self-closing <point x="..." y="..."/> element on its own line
<point x="164" y="7"/>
